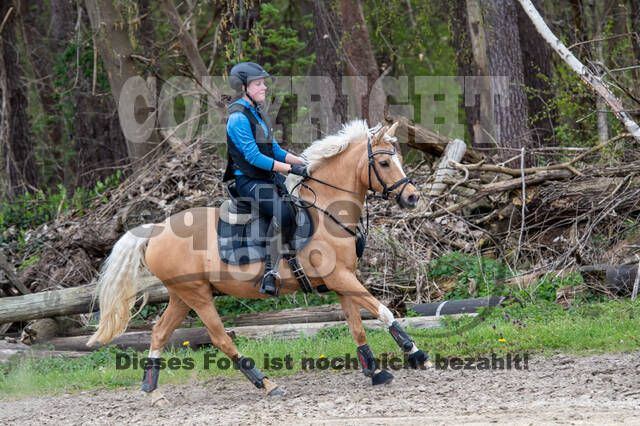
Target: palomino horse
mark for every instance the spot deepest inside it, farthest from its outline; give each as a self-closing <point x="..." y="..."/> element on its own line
<point x="344" y="167"/>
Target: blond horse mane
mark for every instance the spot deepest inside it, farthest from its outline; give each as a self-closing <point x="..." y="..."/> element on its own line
<point x="332" y="145"/>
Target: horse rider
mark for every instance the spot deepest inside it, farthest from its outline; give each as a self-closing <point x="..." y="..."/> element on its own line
<point x="255" y="161"/>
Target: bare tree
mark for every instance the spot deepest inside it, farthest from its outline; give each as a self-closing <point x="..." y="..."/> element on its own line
<point x="505" y="60"/>
<point x="20" y="172"/>
<point x="327" y="31"/>
<point x="361" y="62"/>
<point x="635" y="39"/>
<point x="486" y="35"/>
<point x="115" y="50"/>
<point x="537" y="71"/>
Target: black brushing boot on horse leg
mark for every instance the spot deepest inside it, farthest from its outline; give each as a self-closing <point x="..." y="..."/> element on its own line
<point x="417" y="358"/>
<point x="369" y="368"/>
<point x="258" y="379"/>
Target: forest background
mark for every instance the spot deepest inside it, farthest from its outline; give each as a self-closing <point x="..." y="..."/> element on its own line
<point x="69" y="69"/>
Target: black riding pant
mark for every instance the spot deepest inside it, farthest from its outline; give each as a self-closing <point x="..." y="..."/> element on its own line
<point x="268" y="196"/>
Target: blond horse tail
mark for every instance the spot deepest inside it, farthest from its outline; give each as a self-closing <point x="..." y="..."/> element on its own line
<point x="117" y="284"/>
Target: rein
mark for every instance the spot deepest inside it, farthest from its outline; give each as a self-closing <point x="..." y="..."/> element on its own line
<point x="386" y="191"/>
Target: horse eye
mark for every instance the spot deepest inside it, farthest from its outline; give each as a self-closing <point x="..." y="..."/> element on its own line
<point x="384" y="163"/>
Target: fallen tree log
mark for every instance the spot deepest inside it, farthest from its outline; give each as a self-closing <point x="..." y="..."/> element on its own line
<point x="296" y="315"/>
<point x="39" y="330"/>
<point x="429" y="141"/>
<point x="453" y="153"/>
<point x="68" y="301"/>
<point x="194" y="337"/>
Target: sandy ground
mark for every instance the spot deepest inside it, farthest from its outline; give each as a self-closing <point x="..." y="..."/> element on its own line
<point x="597" y="389"/>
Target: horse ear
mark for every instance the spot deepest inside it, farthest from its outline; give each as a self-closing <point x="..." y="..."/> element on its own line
<point x="392" y="130"/>
<point x="379" y="135"/>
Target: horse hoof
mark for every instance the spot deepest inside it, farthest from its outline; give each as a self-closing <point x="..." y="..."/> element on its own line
<point x="277" y="392"/>
<point x="382" y="378"/>
<point x="418" y="360"/>
<point x="158" y="399"/>
<point x="272" y="388"/>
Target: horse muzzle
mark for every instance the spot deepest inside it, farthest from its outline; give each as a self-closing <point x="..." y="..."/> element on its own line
<point x="409" y="201"/>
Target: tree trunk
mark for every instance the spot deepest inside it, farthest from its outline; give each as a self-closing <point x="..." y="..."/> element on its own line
<point x="635" y="39"/>
<point x="429" y="141"/>
<point x="41" y="51"/>
<point x="483" y="124"/>
<point x="370" y="100"/>
<point x="111" y="35"/>
<point x="595" y="32"/>
<point x="147" y="31"/>
<point x="20" y="172"/>
<point x="461" y="42"/>
<point x="505" y="60"/>
<point x="536" y="59"/>
<point x="327" y="35"/>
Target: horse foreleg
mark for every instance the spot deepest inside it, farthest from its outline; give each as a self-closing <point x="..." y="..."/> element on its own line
<point x="354" y="319"/>
<point x="175" y="313"/>
<point x="200" y="299"/>
<point x="346" y="283"/>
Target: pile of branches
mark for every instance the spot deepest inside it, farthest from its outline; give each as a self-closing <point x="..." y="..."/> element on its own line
<point x="583" y="211"/>
<point x="72" y="248"/>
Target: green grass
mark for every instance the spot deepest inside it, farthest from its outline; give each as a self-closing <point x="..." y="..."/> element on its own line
<point x="543" y="328"/>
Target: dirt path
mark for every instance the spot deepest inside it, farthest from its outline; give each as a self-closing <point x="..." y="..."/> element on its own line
<point x="597" y="389"/>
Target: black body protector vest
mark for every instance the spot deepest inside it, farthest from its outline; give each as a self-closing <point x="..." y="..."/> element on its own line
<point x="235" y="158"/>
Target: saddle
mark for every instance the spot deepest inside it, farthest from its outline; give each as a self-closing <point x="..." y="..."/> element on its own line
<point x="242" y="231"/>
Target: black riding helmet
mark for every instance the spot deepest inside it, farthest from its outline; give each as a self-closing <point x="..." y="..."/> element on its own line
<point x="244" y="73"/>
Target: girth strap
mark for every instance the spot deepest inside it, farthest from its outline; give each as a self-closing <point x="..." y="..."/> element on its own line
<point x="298" y="272"/>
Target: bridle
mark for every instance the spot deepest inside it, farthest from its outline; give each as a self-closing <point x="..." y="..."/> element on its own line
<point x="386" y="191"/>
<point x="372" y="166"/>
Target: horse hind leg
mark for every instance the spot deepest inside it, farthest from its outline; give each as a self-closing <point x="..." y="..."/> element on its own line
<point x="198" y="296"/>
<point x="172" y="317"/>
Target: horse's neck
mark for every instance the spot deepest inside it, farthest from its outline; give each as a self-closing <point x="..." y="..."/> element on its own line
<point x="342" y="171"/>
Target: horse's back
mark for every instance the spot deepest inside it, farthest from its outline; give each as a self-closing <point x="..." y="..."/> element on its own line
<point x="184" y="244"/>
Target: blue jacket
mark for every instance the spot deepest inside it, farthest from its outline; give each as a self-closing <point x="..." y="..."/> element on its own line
<point x="239" y="130"/>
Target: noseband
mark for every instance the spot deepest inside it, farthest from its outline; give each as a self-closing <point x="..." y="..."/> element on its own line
<point x="372" y="166"/>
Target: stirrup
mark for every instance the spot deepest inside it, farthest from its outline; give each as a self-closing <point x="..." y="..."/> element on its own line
<point x="275" y="290"/>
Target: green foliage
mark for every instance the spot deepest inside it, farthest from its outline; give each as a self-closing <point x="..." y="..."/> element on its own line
<point x="485" y="277"/>
<point x="411" y="313"/>
<point x="30" y="261"/>
<point x="272" y="43"/>
<point x="420" y="47"/>
<point x="546" y="288"/>
<point x="100" y="358"/>
<point x="228" y="305"/>
<point x="542" y="328"/>
<point x="480" y="275"/>
<point x="574" y="107"/>
<point x="149" y="310"/>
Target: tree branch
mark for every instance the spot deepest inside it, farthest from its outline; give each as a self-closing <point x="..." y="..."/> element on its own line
<point x="193" y="55"/>
<point x="589" y="78"/>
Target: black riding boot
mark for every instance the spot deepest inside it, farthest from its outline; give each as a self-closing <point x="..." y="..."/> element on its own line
<point x="272" y="259"/>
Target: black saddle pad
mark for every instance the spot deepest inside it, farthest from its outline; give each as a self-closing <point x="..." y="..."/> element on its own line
<point x="242" y="244"/>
